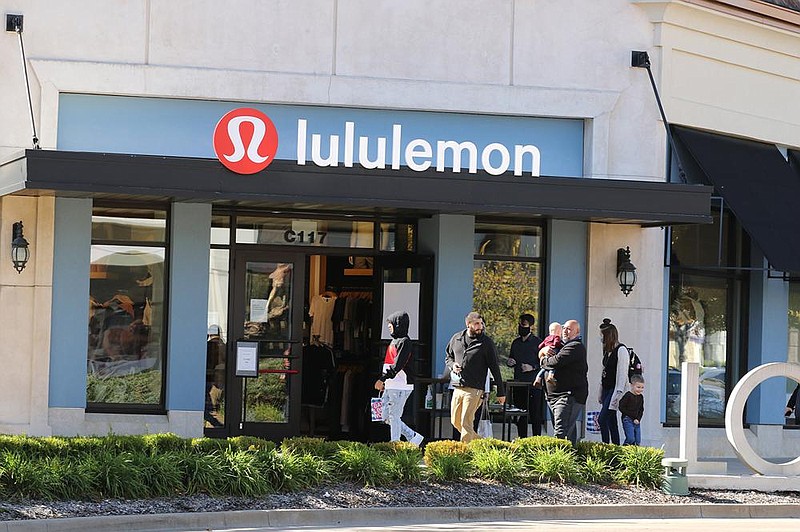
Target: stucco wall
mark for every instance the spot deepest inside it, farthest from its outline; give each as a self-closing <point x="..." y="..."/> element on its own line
<point x="519" y="57"/>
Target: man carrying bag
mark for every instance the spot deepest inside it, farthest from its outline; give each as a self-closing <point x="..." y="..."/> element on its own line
<point x="469" y="355"/>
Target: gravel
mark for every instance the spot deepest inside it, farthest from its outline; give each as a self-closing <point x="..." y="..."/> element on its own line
<point x="468" y="493"/>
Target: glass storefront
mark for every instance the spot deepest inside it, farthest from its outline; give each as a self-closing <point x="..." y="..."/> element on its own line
<point x="507" y="280"/>
<point x="708" y="282"/>
<point x="126" y="308"/>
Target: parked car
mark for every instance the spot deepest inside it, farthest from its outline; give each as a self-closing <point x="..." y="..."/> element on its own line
<point x="711" y="399"/>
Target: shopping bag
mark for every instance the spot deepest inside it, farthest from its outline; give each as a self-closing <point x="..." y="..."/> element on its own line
<point x="485" y="429"/>
<point x="376" y="407"/>
<point x="593" y="422"/>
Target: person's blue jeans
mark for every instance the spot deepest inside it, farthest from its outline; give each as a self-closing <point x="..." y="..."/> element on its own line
<point x="565" y="411"/>
<point x="394" y="402"/>
<point x="633" y="431"/>
<point x="609" y="428"/>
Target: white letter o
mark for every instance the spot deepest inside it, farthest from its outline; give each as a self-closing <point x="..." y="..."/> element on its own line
<point x="734" y="413"/>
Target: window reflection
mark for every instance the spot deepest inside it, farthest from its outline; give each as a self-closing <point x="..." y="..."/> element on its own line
<point x="502" y="290"/>
<point x="126" y="317"/>
<point x="266" y="397"/>
<point x="698" y="333"/>
<point x="268" y="287"/>
<point x="508" y="241"/>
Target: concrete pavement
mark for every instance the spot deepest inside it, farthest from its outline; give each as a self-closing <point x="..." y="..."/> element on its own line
<point x="501" y="518"/>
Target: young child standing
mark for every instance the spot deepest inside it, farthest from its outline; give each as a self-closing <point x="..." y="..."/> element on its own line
<point x="631" y="406"/>
<point x="553" y="339"/>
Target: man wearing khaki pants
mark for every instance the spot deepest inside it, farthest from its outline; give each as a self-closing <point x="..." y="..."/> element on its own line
<point x="469" y="355"/>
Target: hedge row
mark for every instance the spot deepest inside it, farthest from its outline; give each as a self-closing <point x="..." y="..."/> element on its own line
<point x="166" y="465"/>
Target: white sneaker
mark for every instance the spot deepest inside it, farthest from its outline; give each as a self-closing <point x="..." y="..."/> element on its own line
<point x="417" y="440"/>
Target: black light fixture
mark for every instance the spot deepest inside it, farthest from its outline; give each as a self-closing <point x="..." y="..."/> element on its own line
<point x="626" y="271"/>
<point x="19" y="248"/>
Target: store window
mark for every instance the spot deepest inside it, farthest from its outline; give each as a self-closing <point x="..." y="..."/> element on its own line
<point x="127" y="287"/>
<point x="508" y="280"/>
<point x="707" y="292"/>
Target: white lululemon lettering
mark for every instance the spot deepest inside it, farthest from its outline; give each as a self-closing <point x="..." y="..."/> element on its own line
<point x="363" y="153"/>
<point x="417" y="154"/>
<point x="457" y="148"/>
<point x="412" y="153"/>
<point x="301" y="141"/>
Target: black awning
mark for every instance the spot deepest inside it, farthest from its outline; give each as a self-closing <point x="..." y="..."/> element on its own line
<point x="286" y="185"/>
<point x="759" y="185"/>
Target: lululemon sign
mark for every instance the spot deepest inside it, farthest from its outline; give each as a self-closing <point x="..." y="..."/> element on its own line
<point x="245" y="140"/>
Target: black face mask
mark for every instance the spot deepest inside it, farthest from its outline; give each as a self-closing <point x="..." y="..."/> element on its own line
<point x="523" y="331"/>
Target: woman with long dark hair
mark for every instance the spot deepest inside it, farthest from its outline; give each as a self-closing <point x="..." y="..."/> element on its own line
<point x="613" y="381"/>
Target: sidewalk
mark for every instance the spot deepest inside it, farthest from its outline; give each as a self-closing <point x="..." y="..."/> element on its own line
<point x="739" y="477"/>
<point x="317" y="519"/>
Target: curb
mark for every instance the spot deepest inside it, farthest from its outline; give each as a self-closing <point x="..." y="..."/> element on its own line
<point x="404" y="515"/>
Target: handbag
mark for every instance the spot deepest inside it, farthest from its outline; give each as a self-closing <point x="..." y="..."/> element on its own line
<point x="376" y="407"/>
<point x="485" y="429"/>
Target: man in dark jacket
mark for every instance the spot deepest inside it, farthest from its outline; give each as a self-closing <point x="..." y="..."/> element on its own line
<point x="397" y="379"/>
<point x="567" y="392"/>
<point x="469" y="355"/>
<point x="524" y="358"/>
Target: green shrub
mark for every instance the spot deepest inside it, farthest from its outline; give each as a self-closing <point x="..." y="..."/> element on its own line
<point x="302" y="471"/>
<point x="360" y="463"/>
<point x="125" y="444"/>
<point x="163" y="473"/>
<point x="495" y="463"/>
<point x="481" y="444"/>
<point x="405" y="464"/>
<point x="607" y="453"/>
<point x="251" y="443"/>
<point x="209" y="445"/>
<point x="596" y="471"/>
<point x="25" y="446"/>
<point x="527" y="448"/>
<point x="165" y="443"/>
<point x="448" y="460"/>
<point x="23" y="477"/>
<point x="81" y="445"/>
<point x="204" y="473"/>
<point x="554" y="465"/>
<point x="313" y="446"/>
<point x="393" y="447"/>
<point x="55" y="446"/>
<point x="120" y="475"/>
<point x="247" y="478"/>
<point x="641" y="466"/>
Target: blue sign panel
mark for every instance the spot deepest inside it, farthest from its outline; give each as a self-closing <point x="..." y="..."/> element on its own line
<point x="329" y="136"/>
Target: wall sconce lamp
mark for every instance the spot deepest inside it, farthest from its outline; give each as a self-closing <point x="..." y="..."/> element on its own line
<point x="626" y="271"/>
<point x="19" y="248"/>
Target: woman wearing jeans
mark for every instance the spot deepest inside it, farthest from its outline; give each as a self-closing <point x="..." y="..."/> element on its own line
<point x="395" y="383"/>
<point x="613" y="381"/>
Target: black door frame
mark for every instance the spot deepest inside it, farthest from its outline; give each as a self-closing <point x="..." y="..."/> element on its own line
<point x="234" y="422"/>
<point x="240" y="256"/>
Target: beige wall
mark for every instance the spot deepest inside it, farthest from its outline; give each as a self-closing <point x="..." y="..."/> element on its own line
<point x="25" y="302"/>
<point x="727" y="73"/>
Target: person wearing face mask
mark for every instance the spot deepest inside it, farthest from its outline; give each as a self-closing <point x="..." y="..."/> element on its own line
<point x="524" y="358"/>
<point x="469" y="355"/>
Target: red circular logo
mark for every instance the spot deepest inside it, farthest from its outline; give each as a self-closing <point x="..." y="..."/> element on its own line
<point x="245" y="140"/>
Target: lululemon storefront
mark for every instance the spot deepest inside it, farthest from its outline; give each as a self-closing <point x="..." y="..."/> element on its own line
<point x="239" y="260"/>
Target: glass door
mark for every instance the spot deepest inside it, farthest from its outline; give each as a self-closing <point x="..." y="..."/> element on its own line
<point x="267" y="328"/>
